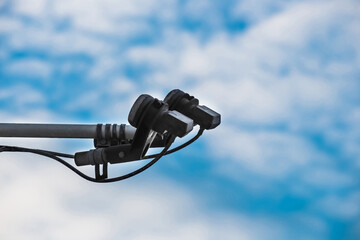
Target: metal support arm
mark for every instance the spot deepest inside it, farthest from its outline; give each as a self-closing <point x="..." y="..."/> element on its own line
<point x="61" y="130"/>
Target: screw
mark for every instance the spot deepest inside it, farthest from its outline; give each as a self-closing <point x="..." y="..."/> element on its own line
<point x="121" y="155"/>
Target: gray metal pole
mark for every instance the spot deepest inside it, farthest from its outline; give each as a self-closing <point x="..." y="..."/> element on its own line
<point x="57" y="130"/>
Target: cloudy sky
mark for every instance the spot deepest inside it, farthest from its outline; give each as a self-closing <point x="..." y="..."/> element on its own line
<point x="285" y="75"/>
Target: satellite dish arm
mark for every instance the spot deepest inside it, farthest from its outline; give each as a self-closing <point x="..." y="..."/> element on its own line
<point x="83" y="131"/>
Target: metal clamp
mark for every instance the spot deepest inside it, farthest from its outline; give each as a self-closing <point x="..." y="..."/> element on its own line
<point x="112" y="136"/>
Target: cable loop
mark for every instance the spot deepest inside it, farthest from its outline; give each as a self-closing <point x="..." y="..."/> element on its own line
<point x="56" y="156"/>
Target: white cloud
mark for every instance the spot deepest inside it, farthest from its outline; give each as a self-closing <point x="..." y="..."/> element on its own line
<point x="48" y="202"/>
<point x="300" y="22"/>
<point x="109" y="16"/>
<point x="341" y="207"/>
<point x="122" y="86"/>
<point x="269" y="153"/>
<point x="34" y="8"/>
<point x="57" y="43"/>
<point x="8" y="25"/>
<point x="255" y="12"/>
<point x="30" y="68"/>
<point x="2" y="3"/>
<point x="327" y="178"/>
<point x="194" y="11"/>
<point x="21" y="96"/>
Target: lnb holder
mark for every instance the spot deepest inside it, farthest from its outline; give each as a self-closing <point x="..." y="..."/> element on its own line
<point x="150" y="117"/>
<point x="188" y="105"/>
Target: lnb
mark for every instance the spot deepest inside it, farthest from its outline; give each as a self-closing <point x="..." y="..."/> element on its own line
<point x="189" y="106"/>
<point x="156" y="115"/>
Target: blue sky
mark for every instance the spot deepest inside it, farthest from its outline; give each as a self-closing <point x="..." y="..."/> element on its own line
<point x="285" y="75"/>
